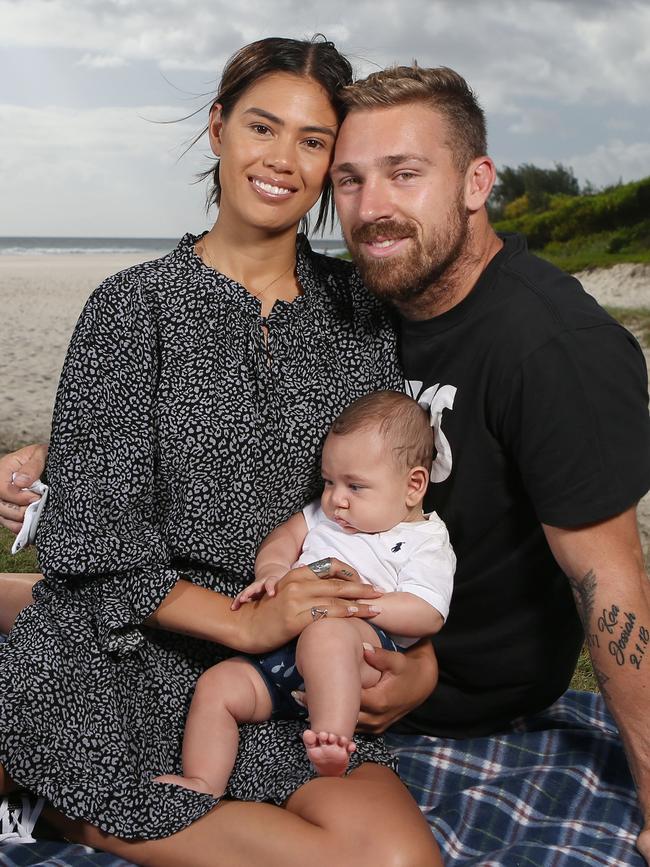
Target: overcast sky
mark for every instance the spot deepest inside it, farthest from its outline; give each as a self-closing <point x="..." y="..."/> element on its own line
<point x="82" y="80"/>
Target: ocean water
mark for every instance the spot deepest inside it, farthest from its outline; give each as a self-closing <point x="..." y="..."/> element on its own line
<point x="155" y="246"/>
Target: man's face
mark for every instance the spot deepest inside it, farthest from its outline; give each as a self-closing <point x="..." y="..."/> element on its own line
<point x="400" y="198"/>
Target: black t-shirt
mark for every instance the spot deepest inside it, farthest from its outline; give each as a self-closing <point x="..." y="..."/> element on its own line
<point x="540" y="407"/>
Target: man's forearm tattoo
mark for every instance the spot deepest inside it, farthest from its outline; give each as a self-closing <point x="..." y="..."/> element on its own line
<point x="602" y="679"/>
<point x="584" y="592"/>
<point x="626" y="640"/>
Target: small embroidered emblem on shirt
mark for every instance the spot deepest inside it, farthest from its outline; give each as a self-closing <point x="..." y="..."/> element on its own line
<point x="396" y="547"/>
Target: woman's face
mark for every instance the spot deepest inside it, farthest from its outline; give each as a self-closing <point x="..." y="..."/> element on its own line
<point x="275" y="148"/>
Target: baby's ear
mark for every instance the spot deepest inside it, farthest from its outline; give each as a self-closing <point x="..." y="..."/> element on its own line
<point x="418" y="481"/>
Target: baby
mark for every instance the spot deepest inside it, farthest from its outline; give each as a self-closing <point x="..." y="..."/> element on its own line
<point x="375" y="473"/>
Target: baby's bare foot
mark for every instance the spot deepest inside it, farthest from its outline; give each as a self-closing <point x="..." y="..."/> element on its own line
<point x="328" y="753"/>
<point x="195" y="784"/>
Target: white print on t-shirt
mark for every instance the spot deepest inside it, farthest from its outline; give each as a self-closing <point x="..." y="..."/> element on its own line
<point x="435" y="399"/>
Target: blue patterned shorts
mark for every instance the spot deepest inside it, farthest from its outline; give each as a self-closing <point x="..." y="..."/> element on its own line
<point x="279" y="671"/>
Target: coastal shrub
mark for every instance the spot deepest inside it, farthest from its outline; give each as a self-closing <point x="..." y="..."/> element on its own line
<point x="570" y="217"/>
<point x="538" y="185"/>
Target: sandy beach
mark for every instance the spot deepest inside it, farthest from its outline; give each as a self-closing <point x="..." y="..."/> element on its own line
<point x="41" y="297"/>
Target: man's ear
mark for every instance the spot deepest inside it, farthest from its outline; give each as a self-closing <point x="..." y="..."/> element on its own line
<point x="214" y="128"/>
<point x="479" y="179"/>
<point x="418" y="481"/>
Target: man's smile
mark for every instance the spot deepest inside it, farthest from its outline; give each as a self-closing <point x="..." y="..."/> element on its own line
<point x="380" y="248"/>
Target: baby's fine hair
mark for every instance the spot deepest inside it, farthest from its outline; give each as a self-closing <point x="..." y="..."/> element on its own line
<point x="402" y="422"/>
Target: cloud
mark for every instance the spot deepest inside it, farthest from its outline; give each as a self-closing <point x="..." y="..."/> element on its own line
<point x="105" y="171"/>
<point x="616" y="159"/>
<point x="564" y="50"/>
<point x="102" y="61"/>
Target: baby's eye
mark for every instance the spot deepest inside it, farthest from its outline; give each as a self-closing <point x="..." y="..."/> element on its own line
<point x="356" y="487"/>
<point x="326" y="482"/>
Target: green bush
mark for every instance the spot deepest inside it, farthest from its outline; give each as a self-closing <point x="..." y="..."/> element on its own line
<point x="570" y="217"/>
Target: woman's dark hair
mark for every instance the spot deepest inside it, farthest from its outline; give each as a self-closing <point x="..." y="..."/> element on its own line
<point x="316" y="58"/>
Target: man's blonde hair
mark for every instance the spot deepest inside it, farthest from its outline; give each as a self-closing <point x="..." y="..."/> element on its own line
<point x="402" y="422"/>
<point x="439" y="87"/>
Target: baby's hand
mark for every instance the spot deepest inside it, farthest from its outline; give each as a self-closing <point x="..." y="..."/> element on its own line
<point x="255" y="591"/>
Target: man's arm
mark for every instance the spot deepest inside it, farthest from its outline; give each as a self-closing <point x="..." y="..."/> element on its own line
<point x="407" y="679"/>
<point x="604" y="564"/>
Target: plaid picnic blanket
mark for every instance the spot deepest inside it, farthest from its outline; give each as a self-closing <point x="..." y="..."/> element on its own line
<point x="554" y="791"/>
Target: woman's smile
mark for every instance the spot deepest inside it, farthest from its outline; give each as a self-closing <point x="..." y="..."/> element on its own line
<point x="271" y="190"/>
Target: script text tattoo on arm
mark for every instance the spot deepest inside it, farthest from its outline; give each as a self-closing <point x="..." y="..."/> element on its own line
<point x="626" y="639"/>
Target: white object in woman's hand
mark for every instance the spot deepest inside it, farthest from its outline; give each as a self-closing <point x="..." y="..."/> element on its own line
<point x="27" y="533"/>
<point x="18" y="471"/>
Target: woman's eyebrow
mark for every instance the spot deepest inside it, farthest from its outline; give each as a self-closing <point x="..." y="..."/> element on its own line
<point x="260" y="112"/>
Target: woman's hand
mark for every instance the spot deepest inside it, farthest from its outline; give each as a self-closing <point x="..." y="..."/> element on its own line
<point x="273" y="620"/>
<point x="407" y="679"/>
<point x="27" y="464"/>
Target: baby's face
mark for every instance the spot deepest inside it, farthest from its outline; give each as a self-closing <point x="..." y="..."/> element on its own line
<point x="365" y="488"/>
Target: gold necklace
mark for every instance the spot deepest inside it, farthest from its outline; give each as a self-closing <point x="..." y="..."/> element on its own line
<point x="207" y="258"/>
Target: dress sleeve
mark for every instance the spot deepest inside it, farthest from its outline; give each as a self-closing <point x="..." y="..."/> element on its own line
<point x="577" y="425"/>
<point x="100" y="536"/>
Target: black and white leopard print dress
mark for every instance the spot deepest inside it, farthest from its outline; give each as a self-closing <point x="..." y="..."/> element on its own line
<point x="180" y="439"/>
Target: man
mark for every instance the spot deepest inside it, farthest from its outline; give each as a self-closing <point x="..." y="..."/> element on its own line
<point x="540" y="408"/>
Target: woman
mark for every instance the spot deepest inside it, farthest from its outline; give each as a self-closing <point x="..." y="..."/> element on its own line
<point x="189" y="417"/>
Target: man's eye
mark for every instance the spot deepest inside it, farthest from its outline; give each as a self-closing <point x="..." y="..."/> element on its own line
<point x="260" y="128"/>
<point x="314" y="143"/>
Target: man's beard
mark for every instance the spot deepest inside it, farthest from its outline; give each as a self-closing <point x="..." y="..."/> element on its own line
<point x="406" y="277"/>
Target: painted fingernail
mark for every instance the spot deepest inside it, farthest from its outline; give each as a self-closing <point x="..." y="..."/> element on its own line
<point x="368" y="647"/>
<point x="20" y="480"/>
<point x="352" y="609"/>
<point x="374" y="610"/>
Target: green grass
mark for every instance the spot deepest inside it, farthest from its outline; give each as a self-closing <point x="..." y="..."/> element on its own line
<point x="585" y="253"/>
<point x="583" y="676"/>
<point x="23" y="562"/>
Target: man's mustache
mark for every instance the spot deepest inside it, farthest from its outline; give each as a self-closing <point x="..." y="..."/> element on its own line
<point x="384" y="229"/>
